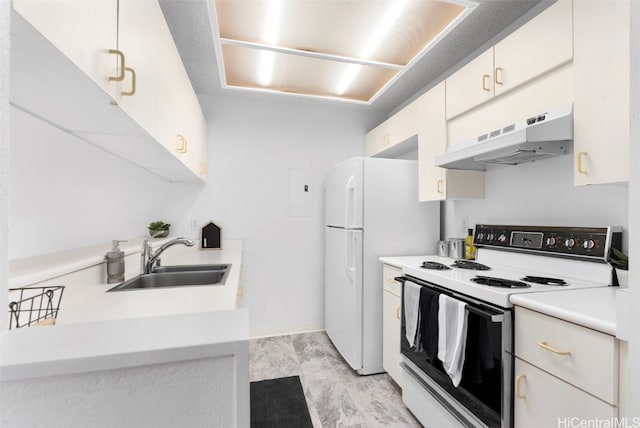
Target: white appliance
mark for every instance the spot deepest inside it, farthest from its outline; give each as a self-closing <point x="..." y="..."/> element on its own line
<point x="511" y="260"/>
<point x="371" y="210"/>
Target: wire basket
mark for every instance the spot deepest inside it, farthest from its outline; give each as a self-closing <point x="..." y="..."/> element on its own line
<point x="34" y="305"/>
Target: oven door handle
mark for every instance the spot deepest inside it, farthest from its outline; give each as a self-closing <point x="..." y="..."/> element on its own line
<point x="473" y="309"/>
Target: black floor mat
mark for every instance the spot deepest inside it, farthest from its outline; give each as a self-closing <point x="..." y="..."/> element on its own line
<point x="279" y="403"/>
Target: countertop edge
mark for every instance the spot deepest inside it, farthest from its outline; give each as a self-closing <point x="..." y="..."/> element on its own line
<point x="598" y="323"/>
<point x="400" y="261"/>
<point x="54" y="351"/>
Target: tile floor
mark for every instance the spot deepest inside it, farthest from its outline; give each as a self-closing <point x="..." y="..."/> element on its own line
<point x="337" y="396"/>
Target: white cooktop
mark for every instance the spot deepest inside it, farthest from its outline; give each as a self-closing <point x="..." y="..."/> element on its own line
<point x="512" y="266"/>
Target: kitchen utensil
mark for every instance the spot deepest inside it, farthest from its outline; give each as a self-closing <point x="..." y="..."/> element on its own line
<point x="456" y="248"/>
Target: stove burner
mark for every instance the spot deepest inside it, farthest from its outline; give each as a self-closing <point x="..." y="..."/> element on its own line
<point x="544" y="280"/>
<point x="435" y="266"/>
<point x="499" y="282"/>
<point x="465" y="264"/>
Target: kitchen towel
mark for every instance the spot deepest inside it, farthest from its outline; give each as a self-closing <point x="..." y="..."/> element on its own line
<point x="429" y="322"/>
<point x="412" y="312"/>
<point x="452" y="336"/>
<point x="478" y="350"/>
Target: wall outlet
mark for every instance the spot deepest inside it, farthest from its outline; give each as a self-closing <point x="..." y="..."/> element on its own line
<point x="464" y="225"/>
<point x="194" y="224"/>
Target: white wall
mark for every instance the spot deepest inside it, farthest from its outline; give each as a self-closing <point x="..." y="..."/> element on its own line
<point x="67" y="194"/>
<point x="633" y="375"/>
<point x="539" y="193"/>
<point x="5" y="8"/>
<point x="252" y="143"/>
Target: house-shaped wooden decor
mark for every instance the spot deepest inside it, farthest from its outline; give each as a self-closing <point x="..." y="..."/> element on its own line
<point x="210" y="236"/>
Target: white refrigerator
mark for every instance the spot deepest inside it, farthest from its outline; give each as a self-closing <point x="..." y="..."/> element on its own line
<point x="371" y="210"/>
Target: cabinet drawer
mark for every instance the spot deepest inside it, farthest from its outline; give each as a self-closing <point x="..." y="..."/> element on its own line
<point x="582" y="357"/>
<point x="390" y="284"/>
<point x="542" y="400"/>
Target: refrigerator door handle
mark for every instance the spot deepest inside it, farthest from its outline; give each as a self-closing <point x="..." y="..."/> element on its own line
<point x="350" y="190"/>
<point x="350" y="268"/>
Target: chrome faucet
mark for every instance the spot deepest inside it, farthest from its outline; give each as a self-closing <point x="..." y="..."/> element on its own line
<point x="150" y="257"/>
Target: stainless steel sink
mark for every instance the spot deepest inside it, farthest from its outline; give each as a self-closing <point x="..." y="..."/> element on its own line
<point x="177" y="276"/>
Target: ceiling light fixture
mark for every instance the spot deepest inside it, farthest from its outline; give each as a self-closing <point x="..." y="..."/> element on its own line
<point x="270" y="35"/>
<point x="375" y="38"/>
<point x="284" y="45"/>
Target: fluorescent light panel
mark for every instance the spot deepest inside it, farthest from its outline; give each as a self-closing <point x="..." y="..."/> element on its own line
<point x="355" y="33"/>
<point x="270" y="36"/>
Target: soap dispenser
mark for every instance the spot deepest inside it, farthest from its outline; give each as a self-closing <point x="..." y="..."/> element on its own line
<point x="115" y="263"/>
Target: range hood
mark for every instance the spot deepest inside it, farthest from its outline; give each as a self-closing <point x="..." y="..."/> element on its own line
<point x="536" y="137"/>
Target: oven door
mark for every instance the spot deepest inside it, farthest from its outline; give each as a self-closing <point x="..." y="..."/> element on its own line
<point x="484" y="396"/>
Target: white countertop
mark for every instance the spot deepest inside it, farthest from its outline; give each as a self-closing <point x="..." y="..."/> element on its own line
<point x="90" y="302"/>
<point x="402" y="261"/>
<point x="593" y="307"/>
<point x="96" y="330"/>
<point x="30" y="270"/>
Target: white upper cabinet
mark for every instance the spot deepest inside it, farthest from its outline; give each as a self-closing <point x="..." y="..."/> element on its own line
<point x="437" y="183"/>
<point x="84" y="31"/>
<point x="535" y="48"/>
<point x="109" y="72"/>
<point x="540" y="45"/>
<point x="601" y="79"/>
<point x="390" y="133"/>
<point x="472" y="85"/>
<point x="141" y="43"/>
<point x="181" y="126"/>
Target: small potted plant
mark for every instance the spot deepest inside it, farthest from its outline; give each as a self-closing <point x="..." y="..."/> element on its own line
<point x="620" y="262"/>
<point x="158" y="229"/>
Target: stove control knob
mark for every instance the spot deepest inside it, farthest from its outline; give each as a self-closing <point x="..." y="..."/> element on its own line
<point x="480" y="236"/>
<point x="570" y="243"/>
<point x="491" y="237"/>
<point x="552" y="241"/>
<point x="589" y="244"/>
<point x="502" y="238"/>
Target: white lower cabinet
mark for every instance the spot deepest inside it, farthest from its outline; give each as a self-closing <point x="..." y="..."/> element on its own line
<point x="391" y="356"/>
<point x="543" y="400"/>
<point x="564" y="373"/>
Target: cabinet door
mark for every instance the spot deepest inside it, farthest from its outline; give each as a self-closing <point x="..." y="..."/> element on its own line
<point x="432" y="142"/>
<point x="471" y="85"/>
<point x="398" y="128"/>
<point x="542" y="400"/>
<point x="84" y="31"/>
<point x="377" y="139"/>
<point x="181" y="127"/>
<point x="402" y="125"/>
<point x="139" y="39"/>
<point x="437" y="183"/>
<point x="538" y="46"/>
<point x="389" y="273"/>
<point x="391" y="356"/>
<point x="601" y="106"/>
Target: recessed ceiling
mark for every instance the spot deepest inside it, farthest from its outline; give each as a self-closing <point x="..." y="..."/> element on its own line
<point x="191" y="24"/>
<point x="340" y="49"/>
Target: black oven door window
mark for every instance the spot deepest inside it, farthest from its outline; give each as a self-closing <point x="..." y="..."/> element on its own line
<point x="480" y="389"/>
